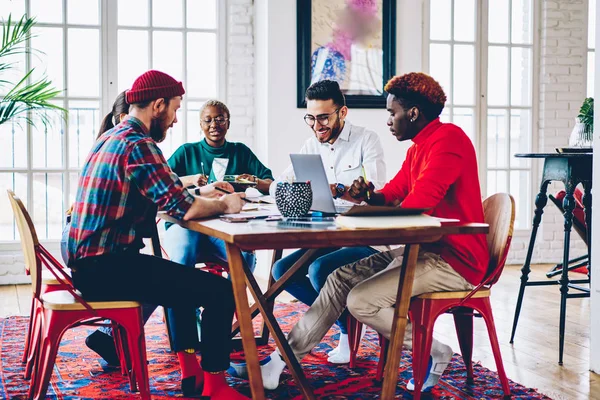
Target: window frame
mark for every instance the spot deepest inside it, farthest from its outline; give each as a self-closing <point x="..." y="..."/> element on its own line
<point x="481" y="86"/>
<point x="108" y="59"/>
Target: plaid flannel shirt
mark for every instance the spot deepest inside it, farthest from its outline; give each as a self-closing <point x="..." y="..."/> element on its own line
<point x="124" y="178"/>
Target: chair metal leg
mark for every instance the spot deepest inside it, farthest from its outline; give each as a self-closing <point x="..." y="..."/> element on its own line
<point x="463" y="321"/>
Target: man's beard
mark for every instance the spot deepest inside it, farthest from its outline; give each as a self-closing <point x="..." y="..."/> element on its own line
<point x="336" y="129"/>
<point x="158" y="129"/>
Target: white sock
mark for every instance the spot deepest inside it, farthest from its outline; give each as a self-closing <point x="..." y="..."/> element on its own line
<point x="341" y="354"/>
<point x="271" y="371"/>
<point x="343" y="343"/>
<point x="441" y="354"/>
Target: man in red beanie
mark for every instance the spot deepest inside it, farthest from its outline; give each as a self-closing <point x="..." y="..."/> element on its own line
<point x="124" y="179"/>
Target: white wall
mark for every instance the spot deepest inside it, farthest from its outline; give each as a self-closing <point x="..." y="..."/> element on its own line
<point x="280" y="129"/>
<point x="595" y="285"/>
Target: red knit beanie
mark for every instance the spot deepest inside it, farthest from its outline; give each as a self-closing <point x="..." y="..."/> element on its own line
<point x="153" y="85"/>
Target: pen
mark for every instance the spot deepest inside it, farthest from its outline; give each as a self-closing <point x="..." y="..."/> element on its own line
<point x="364" y="174"/>
<point x="202" y="166"/>
<point x="227" y="192"/>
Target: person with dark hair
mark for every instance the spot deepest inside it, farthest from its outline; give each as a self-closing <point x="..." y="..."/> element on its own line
<point x="120" y="109"/>
<point x="439" y="174"/>
<point x="346" y="150"/>
<point x="195" y="163"/>
<point x="124" y="179"/>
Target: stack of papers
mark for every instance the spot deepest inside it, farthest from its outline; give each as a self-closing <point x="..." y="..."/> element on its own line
<point x="386" y="222"/>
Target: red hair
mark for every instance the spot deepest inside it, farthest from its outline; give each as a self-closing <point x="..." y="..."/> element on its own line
<point x="420" y="90"/>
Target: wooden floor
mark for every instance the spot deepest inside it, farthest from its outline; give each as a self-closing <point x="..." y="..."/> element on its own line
<point x="531" y="361"/>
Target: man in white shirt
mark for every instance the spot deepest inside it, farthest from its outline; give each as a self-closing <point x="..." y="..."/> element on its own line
<point x="347" y="150"/>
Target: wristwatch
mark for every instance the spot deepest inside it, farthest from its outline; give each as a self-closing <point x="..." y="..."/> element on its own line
<point x="340" y="189"/>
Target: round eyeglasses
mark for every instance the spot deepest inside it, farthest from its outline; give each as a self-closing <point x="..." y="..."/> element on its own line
<point x="218" y="120"/>
<point x="322" y="118"/>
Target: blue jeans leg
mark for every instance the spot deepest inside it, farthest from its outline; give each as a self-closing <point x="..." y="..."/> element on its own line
<point x="188" y="248"/>
<point x="299" y="285"/>
<point x="320" y="269"/>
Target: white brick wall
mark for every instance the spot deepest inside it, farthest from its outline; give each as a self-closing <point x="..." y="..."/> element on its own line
<point x="562" y="91"/>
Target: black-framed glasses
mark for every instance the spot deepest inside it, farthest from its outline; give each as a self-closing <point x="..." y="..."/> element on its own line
<point x="217" y="120"/>
<point x="322" y="118"/>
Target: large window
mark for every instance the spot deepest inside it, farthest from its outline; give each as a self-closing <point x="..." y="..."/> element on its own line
<point x="94" y="50"/>
<point x="591" y="44"/>
<point x="481" y="52"/>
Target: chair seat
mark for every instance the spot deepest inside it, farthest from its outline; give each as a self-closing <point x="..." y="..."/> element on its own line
<point x="63" y="300"/>
<point x="50" y="280"/>
<point x="454" y="295"/>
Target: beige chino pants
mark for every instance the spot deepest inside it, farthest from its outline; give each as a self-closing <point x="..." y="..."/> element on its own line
<point x="368" y="288"/>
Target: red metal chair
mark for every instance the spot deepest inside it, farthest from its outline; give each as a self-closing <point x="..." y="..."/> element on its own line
<point x="499" y="211"/>
<point x="57" y="311"/>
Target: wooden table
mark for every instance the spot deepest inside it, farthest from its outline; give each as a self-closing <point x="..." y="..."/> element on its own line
<point x="261" y="235"/>
<point x="571" y="169"/>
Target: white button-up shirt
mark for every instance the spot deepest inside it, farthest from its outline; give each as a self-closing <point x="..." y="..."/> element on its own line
<point x="354" y="149"/>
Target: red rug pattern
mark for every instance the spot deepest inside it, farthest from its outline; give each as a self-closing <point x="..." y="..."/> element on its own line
<point x="79" y="374"/>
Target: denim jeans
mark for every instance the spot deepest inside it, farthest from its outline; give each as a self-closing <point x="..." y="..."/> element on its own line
<point x="308" y="281"/>
<point x="187" y="247"/>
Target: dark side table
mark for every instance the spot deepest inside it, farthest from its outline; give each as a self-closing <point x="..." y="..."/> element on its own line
<point x="571" y="169"/>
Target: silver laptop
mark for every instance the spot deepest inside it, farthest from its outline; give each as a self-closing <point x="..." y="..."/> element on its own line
<point x="309" y="167"/>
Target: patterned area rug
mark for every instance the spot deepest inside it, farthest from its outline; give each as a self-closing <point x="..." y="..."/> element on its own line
<point x="79" y="374"/>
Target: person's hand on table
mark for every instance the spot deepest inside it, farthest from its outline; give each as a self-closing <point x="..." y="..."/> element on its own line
<point x="233" y="202"/>
<point x="210" y="191"/>
<point x="361" y="190"/>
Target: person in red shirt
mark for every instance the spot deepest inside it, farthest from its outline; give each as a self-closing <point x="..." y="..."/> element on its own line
<point x="440" y="174"/>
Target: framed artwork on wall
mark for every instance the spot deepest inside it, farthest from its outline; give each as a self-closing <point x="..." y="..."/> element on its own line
<point x="350" y="41"/>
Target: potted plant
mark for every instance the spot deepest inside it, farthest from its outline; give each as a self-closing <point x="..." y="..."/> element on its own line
<point x="26" y="99"/>
<point x="583" y="132"/>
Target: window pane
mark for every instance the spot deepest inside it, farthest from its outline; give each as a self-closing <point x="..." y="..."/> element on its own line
<point x="194" y="133"/>
<point x="592" y="25"/>
<point x="47" y="11"/>
<point x="167" y="13"/>
<point x="83" y="12"/>
<point x="202" y="14"/>
<point x="464" y="20"/>
<point x="497" y="138"/>
<point x="591" y="72"/>
<point x="133" y="13"/>
<point x="520" y="189"/>
<point x="48" y="210"/>
<point x="464" y="75"/>
<point x="13" y="142"/>
<point x="202" y="64"/>
<point x="497" y="76"/>
<point x="18" y="184"/>
<point x="522" y="17"/>
<point x="439" y="21"/>
<point x="134" y="61"/>
<point x="439" y="66"/>
<point x="84" y="122"/>
<point x="520" y="137"/>
<point x="498" y="21"/>
<point x="167" y="53"/>
<point x="47" y="143"/>
<point x="73" y="184"/>
<point x="84" y="62"/>
<point x="14" y="7"/>
<point x="520" y="79"/>
<point x="14" y="74"/>
<point x="496" y="182"/>
<point x="49" y="41"/>
<point x="465" y="119"/>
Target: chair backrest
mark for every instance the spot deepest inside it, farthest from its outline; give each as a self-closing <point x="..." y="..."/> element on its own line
<point x="499" y="214"/>
<point x="29" y="241"/>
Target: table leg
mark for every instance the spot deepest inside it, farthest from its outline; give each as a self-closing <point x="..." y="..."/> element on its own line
<point x="236" y="272"/>
<point x="280" y="339"/>
<point x="405" y="284"/>
<point x="568" y="206"/>
<point x="540" y="203"/>
<point x="264" y="333"/>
